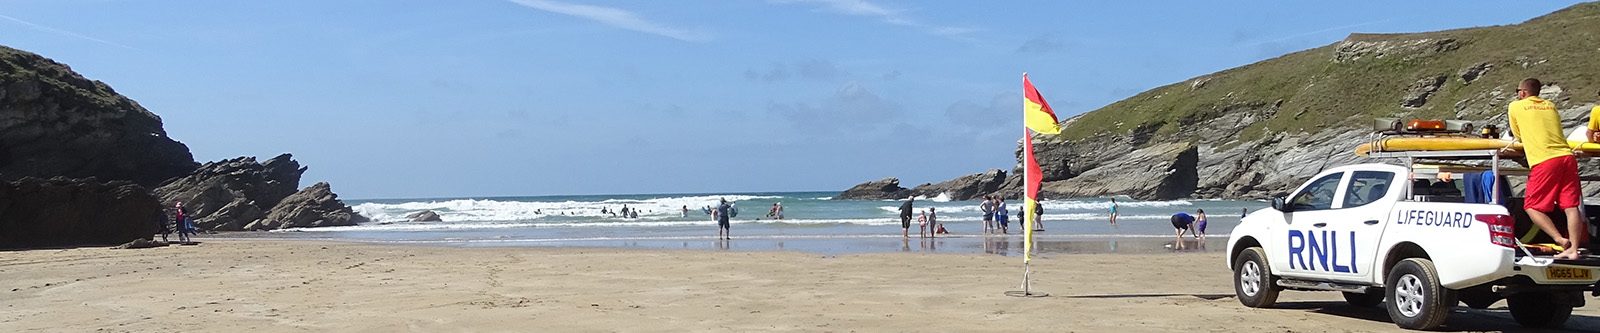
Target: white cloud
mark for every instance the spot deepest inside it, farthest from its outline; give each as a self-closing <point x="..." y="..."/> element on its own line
<point x="615" y="17"/>
<point x="40" y="27"/>
<point x="886" y="15"/>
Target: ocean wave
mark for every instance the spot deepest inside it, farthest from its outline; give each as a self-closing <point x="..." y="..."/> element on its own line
<point x="479" y="225"/>
<point x="500" y="210"/>
<point x="942" y="197"/>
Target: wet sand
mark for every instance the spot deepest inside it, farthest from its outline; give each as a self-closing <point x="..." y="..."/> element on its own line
<point x="301" y="285"/>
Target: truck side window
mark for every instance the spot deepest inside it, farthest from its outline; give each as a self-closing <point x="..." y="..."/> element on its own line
<point x="1318" y="195"/>
<point x="1366" y="187"/>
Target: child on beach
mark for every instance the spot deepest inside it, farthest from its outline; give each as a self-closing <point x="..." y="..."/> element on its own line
<point x="1200" y="224"/>
<point x="1113" y="210"/>
<point x="922" y="225"/>
<point x="934" y="227"/>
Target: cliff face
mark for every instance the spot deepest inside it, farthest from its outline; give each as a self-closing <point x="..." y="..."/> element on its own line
<point x="65" y="212"/>
<point x="54" y="122"/>
<point x="1263" y="128"/>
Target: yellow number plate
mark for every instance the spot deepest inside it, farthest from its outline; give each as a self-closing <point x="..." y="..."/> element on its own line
<point x="1565" y="273"/>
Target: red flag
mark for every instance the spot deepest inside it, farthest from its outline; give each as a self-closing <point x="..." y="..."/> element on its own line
<point x="1034" y="175"/>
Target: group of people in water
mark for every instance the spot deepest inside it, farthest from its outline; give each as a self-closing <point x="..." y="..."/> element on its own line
<point x="626" y="212"/>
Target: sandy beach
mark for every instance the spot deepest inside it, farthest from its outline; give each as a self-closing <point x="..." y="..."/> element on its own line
<point x="227" y="285"/>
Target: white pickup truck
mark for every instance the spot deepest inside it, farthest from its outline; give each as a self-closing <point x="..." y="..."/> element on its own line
<point x="1410" y="234"/>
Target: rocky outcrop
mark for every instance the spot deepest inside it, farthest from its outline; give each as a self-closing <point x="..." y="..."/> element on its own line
<point x="887" y="188"/>
<point x="965" y="187"/>
<point x="225" y="195"/>
<point x="315" y="206"/>
<point x="54" y="122"/>
<point x="1367" y="47"/>
<point x="424" y="216"/>
<point x="1473" y="73"/>
<point x="1417" y="94"/>
<point x="65" y="212"/>
<point x="1162" y="171"/>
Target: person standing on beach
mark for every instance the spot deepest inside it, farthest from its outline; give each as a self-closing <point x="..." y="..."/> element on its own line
<point x="181" y="222"/>
<point x="1200" y="224"/>
<point x="1038" y="216"/>
<point x="1113" y="210"/>
<point x="905" y="218"/>
<point x="933" y="223"/>
<point x="988" y="213"/>
<point x="1002" y="215"/>
<point x="721" y="214"/>
<point x="1553" y="178"/>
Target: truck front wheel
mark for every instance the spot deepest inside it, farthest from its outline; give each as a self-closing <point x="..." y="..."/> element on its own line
<point x="1416" y="301"/>
<point x="1253" y="282"/>
<point x="1538" y="310"/>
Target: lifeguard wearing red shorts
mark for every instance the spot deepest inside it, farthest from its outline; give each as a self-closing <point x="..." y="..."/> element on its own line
<point x="1553" y="181"/>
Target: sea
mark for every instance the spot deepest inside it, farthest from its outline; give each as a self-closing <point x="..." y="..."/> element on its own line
<point x="812" y="222"/>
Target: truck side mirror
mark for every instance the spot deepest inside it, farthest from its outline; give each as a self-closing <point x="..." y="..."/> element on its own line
<point x="1279" y="205"/>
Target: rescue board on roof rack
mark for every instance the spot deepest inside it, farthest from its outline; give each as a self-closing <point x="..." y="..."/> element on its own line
<point x="1434" y="143"/>
<point x="1442" y="143"/>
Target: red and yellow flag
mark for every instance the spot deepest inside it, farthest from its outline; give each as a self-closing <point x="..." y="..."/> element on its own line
<point x="1036" y="116"/>
<point x="1036" y="113"/>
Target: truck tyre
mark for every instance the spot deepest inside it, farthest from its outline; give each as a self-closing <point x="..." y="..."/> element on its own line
<point x="1253" y="282"/>
<point x="1365" y="300"/>
<point x="1416" y="301"/>
<point x="1536" y="310"/>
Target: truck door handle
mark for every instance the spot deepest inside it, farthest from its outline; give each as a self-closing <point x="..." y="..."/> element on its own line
<point x="1319" y="224"/>
<point x="1370" y="222"/>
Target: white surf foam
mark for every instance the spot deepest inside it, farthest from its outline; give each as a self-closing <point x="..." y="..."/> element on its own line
<point x="505" y="210"/>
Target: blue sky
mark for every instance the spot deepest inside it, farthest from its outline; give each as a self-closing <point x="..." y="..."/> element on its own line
<point x="390" y="99"/>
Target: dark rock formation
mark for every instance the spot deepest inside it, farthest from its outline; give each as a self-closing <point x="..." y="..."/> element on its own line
<point x="54" y="122"/>
<point x="424" y="216"/>
<point x="225" y="195"/>
<point x="1160" y="172"/>
<point x="141" y="244"/>
<point x="1473" y="73"/>
<point x="64" y="212"/>
<point x="1059" y="160"/>
<point x="315" y="206"/>
<point x="1417" y="94"/>
<point x="887" y="188"/>
<point x="965" y="187"/>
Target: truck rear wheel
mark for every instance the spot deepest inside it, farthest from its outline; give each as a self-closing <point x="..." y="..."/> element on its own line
<point x="1365" y="300"/>
<point x="1416" y="301"/>
<point x="1538" y="310"/>
<point x="1253" y="282"/>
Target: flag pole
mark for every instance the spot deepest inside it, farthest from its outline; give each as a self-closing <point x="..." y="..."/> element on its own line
<point x="1027" y="206"/>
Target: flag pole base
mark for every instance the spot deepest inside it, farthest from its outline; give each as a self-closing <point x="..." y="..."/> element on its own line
<point x="1027" y="290"/>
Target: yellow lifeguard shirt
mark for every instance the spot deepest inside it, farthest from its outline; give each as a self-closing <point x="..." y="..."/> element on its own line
<point x="1594" y="119"/>
<point x="1535" y="122"/>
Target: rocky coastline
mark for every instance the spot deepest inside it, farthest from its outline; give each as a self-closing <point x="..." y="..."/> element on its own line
<point x="83" y="165"/>
<point x="1257" y="130"/>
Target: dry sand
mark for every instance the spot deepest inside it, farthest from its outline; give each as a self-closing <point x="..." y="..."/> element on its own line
<point x="269" y="285"/>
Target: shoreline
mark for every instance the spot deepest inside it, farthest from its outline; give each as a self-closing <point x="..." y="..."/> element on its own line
<point x="298" y="285"/>
<point x="1003" y="245"/>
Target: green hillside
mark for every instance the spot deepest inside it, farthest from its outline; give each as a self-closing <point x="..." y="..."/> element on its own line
<point x="1338" y="86"/>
